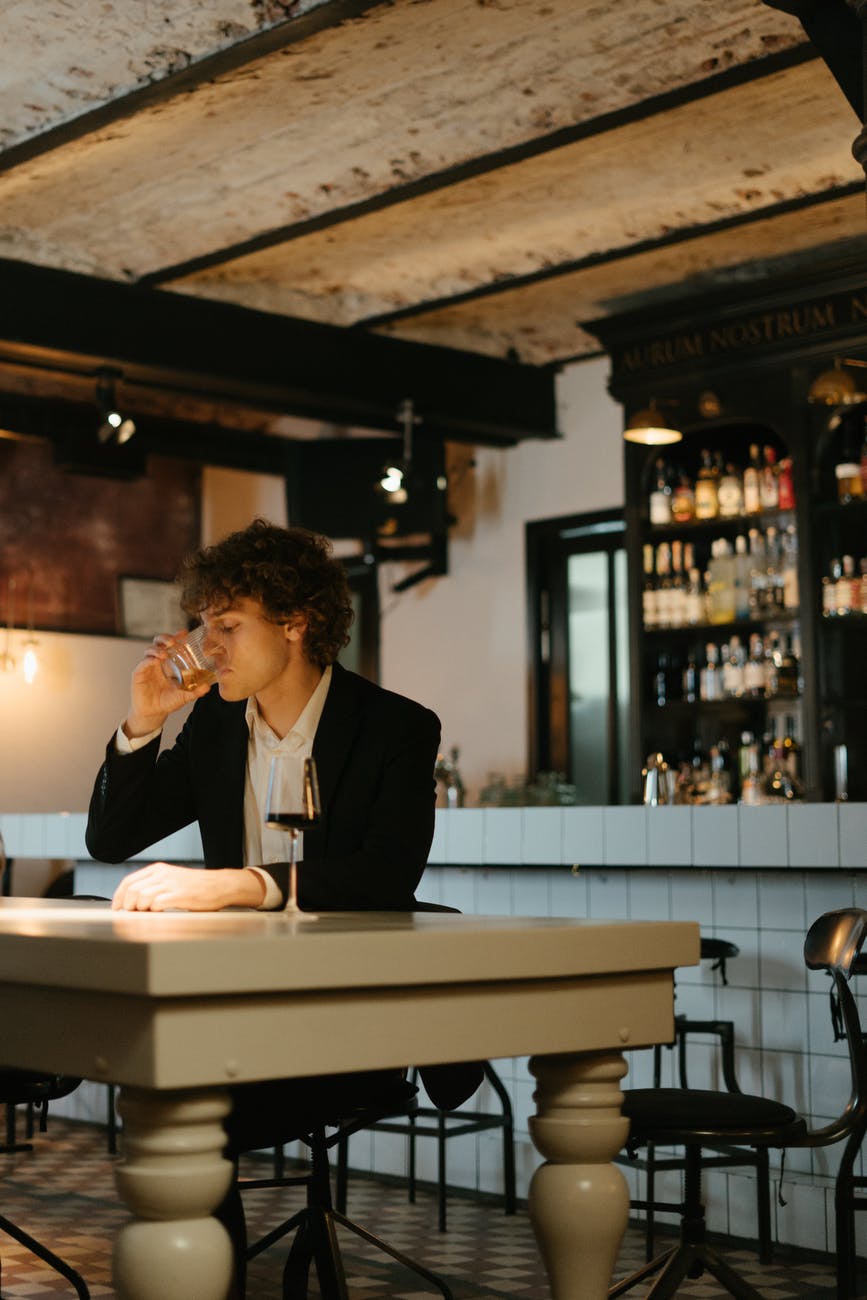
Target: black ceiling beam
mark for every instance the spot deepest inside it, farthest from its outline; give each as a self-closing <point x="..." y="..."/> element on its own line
<point x="713" y="84"/>
<point x="835" y="30"/>
<point x="302" y="368"/>
<point x="329" y="14"/>
<point x="617" y="254"/>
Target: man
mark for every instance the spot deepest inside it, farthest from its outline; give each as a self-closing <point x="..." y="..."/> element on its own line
<point x="277" y="609"/>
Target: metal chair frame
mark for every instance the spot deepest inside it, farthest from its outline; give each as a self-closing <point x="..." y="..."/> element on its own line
<point x="19" y="1087"/>
<point x="315" y="1226"/>
<point x="833" y="944"/>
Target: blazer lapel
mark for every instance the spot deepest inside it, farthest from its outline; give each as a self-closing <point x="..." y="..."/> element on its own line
<point x="225" y="791"/>
<point x="334" y="737"/>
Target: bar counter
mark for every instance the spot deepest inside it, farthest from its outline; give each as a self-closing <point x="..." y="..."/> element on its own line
<point x="755" y="876"/>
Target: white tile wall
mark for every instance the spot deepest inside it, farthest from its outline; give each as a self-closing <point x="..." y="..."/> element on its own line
<point x="784" y="1044"/>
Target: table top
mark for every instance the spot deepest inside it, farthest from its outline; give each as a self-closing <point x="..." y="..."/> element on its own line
<point x="180" y="1000"/>
<point x="84" y="945"/>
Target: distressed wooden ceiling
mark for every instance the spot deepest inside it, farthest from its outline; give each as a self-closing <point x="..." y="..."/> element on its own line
<point x="479" y="174"/>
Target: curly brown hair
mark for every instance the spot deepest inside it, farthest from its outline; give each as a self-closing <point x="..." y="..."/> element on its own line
<point x="290" y="570"/>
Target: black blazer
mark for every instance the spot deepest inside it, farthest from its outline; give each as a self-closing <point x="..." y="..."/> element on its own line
<point x="375" y="753"/>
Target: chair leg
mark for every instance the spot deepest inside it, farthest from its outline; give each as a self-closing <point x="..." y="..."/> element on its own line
<point x="341" y="1183"/>
<point x="763" y="1207"/>
<point x="111" y="1120"/>
<point x="411" y="1171"/>
<point x="650" y="1211"/>
<point x="47" y="1256"/>
<point x="441" y="1171"/>
<point x="411" y="1264"/>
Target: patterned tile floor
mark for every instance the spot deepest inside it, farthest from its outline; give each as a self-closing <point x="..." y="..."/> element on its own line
<point x="64" y="1193"/>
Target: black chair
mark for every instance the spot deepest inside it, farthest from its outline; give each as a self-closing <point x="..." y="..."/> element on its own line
<point x="725" y="1155"/>
<point x="19" y="1087"/>
<point x="315" y="1226"/>
<point x="442" y="1125"/>
<point x="446" y="1123"/>
<point x="697" y="1119"/>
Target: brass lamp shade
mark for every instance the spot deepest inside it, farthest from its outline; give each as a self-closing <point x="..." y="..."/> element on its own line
<point x="837" y="387"/>
<point x="651" y="428"/>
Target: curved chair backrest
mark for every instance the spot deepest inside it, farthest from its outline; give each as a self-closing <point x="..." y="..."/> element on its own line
<point x="833" y="943"/>
<point x="420" y="906"/>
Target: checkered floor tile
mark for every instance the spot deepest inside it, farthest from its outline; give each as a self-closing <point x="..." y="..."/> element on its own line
<point x="63" y="1192"/>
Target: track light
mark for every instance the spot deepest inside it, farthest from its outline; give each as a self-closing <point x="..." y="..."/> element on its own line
<point x="394" y="479"/>
<point x="114" y="427"/>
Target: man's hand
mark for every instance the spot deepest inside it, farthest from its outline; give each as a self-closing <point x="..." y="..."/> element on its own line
<point x="154" y="695"/>
<point x="162" y="886"/>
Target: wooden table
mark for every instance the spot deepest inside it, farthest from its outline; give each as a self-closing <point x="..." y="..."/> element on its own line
<point x="174" y="1007"/>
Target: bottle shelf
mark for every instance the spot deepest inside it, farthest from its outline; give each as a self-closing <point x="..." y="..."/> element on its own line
<point x="784" y="619"/>
<point x="719" y="524"/>
<point x="729" y="704"/>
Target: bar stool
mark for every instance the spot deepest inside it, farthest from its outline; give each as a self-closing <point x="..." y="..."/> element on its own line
<point x="723" y="1155"/>
<point x="696" y="1119"/>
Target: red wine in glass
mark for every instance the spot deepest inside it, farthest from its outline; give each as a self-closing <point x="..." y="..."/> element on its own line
<point x="292" y="806"/>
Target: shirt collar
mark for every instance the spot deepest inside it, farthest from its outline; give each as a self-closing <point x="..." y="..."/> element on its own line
<point x="304" y="730"/>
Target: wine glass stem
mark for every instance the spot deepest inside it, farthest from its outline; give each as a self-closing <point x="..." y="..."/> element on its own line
<point x="292" y="896"/>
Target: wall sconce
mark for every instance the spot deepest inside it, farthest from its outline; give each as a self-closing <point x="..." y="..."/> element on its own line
<point x="30" y="663"/>
<point x="837" y="387"/>
<point x="650" y="427"/>
<point x="114" y="426"/>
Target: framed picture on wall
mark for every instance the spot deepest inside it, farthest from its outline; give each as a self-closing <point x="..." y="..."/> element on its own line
<point x="147" y="606"/>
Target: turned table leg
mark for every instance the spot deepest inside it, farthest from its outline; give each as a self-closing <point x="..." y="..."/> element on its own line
<point x="172" y="1175"/>
<point x="578" y="1200"/>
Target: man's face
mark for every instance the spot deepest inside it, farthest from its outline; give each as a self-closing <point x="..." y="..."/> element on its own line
<point x="252" y="654"/>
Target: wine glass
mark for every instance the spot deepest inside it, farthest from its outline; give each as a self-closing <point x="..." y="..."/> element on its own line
<point x="292" y="806"/>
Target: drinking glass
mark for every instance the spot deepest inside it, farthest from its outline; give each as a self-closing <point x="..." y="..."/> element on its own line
<point x="292" y="806"/>
<point x="188" y="661"/>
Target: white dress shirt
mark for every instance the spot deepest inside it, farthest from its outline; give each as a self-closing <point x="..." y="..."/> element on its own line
<point x="260" y="844"/>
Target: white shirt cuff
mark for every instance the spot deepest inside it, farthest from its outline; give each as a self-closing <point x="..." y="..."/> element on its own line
<point x="273" y="898"/>
<point x="124" y="745"/>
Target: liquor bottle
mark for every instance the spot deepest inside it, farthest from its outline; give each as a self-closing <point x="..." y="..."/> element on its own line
<point x="730" y="493"/>
<point x="786" y="485"/>
<point x="758" y="575"/>
<point x="864" y="462"/>
<point x="706" y="492"/>
<point x="733" y="669"/>
<point x="769" y="493"/>
<point x="663" y="584"/>
<point x="648" y="593"/>
<point x="695" y="605"/>
<point x="788" y="669"/>
<point x="752" y="482"/>
<point x="754" y="669"/>
<point x="677" y="590"/>
<point x="829" y="589"/>
<point x="848" y="475"/>
<point x="791" y="748"/>
<point x="682" y="500"/>
<point x="689" y="678"/>
<point x="660" y="680"/>
<point x="848" y="588"/>
<point x="748" y="769"/>
<point x="772" y="659"/>
<point x="660" y="497"/>
<point x="774" y="594"/>
<point x="710" y="680"/>
<point x="721" y="583"/>
<point x="862" y="565"/>
<point x="791" y="590"/>
<point x="742" y="578"/>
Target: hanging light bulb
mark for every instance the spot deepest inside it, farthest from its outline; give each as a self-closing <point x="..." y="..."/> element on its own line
<point x="30" y="665"/>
